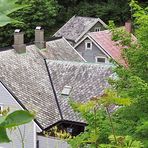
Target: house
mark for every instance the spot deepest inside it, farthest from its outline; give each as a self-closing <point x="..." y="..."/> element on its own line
<point x="78" y="26"/>
<point x="7" y="99"/>
<point x="60" y="49"/>
<point x="99" y="47"/>
<point x="35" y="83"/>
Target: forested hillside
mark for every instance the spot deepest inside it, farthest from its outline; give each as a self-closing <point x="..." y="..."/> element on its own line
<point x="52" y="14"/>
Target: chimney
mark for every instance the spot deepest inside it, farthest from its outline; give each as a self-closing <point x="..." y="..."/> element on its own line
<point x="39" y="37"/>
<point x="128" y="26"/>
<point x="19" y="45"/>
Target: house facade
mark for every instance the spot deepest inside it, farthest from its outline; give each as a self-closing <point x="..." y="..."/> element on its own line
<point x="76" y="28"/>
<point x="98" y="47"/>
<point x="91" y="51"/>
<point x="42" y="81"/>
<point x="29" y="131"/>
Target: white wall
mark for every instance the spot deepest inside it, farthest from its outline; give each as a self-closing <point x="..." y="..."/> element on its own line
<point x="28" y="130"/>
<point x="50" y="142"/>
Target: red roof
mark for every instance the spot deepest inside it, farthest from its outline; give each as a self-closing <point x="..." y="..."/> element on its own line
<point x="104" y="39"/>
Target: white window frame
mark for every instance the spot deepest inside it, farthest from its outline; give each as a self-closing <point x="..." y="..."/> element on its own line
<point x="100" y="57"/>
<point x="97" y="29"/>
<point x="86" y="47"/>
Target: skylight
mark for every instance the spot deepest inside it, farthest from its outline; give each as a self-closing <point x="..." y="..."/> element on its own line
<point x="66" y="90"/>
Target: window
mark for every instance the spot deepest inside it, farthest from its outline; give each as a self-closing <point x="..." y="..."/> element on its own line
<point x="100" y="59"/>
<point x="88" y="45"/>
<point x="97" y="29"/>
<point x="66" y="90"/>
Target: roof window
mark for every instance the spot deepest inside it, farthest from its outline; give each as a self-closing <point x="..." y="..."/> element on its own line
<point x="66" y="90"/>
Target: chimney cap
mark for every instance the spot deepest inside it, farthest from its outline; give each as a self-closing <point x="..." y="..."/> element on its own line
<point x="38" y="28"/>
<point x="17" y="30"/>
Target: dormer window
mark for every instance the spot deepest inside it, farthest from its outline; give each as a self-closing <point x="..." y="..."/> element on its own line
<point x="88" y="45"/>
<point x="97" y="29"/>
<point x="66" y="90"/>
<point x="100" y="59"/>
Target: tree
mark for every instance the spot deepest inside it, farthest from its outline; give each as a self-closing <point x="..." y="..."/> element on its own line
<point x="97" y="114"/>
<point x="7" y="7"/>
<point x="37" y="13"/>
<point x="133" y="81"/>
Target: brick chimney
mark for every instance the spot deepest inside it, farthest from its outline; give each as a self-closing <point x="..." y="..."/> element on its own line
<point x="39" y="37"/>
<point x="128" y="26"/>
<point x="19" y="45"/>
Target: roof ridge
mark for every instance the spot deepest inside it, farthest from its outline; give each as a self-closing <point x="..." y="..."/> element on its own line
<point x="64" y="25"/>
<point x="84" y="63"/>
<point x="86" y="17"/>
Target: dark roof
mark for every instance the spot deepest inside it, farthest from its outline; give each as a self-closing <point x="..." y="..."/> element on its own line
<point x="60" y="49"/>
<point x="26" y="75"/>
<point x="77" y="26"/>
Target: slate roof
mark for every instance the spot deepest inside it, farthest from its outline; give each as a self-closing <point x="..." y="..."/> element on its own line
<point x="60" y="49"/>
<point x="76" y="27"/>
<point x="26" y="76"/>
<point x="86" y="79"/>
<point x="104" y="39"/>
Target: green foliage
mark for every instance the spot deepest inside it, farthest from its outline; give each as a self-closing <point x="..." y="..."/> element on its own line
<point x="96" y="113"/>
<point x="37" y="13"/>
<point x="98" y="128"/>
<point x="58" y="133"/>
<point x="106" y="10"/>
<point x="11" y="120"/>
<point x="111" y="97"/>
<point x="118" y="34"/>
<point x="133" y="81"/>
<point x="6" y="8"/>
<point x="142" y="130"/>
<point x="123" y="142"/>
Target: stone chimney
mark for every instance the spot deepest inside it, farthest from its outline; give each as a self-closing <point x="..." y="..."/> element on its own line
<point x="39" y="37"/>
<point x="19" y="45"/>
<point x="128" y="26"/>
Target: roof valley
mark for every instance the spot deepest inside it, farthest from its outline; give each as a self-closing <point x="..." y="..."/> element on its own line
<point x="53" y="89"/>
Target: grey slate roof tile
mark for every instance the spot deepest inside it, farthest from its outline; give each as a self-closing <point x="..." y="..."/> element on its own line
<point x="76" y="26"/>
<point x="86" y="79"/>
<point x="26" y="76"/>
<point x="60" y="49"/>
